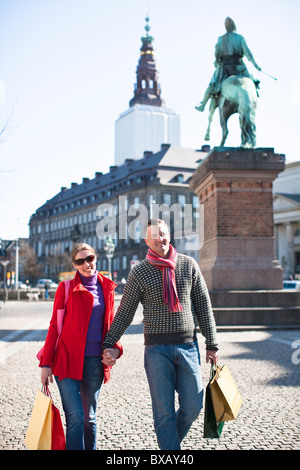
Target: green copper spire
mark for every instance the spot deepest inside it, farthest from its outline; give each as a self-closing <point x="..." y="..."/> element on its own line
<point x="147" y="29"/>
<point x="147" y="89"/>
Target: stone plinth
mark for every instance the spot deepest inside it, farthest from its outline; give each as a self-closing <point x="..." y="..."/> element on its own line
<point x="235" y="187"/>
<point x="256" y="307"/>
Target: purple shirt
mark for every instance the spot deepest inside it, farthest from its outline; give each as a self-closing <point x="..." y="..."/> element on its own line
<point x="93" y="346"/>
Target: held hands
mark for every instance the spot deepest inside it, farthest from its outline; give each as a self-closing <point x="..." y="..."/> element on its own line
<point x="109" y="359"/>
<point x="110" y="356"/>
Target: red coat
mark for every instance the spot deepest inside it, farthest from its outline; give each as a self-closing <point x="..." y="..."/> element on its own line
<point x="68" y="359"/>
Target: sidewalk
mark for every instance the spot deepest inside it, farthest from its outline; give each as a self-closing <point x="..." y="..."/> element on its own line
<point x="263" y="364"/>
<point x="260" y="362"/>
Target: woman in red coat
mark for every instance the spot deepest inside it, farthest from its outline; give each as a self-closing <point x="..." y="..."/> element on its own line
<point x="76" y="361"/>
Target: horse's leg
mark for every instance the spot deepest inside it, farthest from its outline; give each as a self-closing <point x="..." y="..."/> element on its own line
<point x="207" y="135"/>
<point x="223" y="122"/>
<point x="212" y="108"/>
<point x="244" y="132"/>
<point x="252" y="125"/>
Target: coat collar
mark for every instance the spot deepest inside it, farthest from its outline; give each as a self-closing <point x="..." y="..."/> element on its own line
<point x="104" y="281"/>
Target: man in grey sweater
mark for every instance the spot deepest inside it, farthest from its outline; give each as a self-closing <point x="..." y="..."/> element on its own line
<point x="175" y="299"/>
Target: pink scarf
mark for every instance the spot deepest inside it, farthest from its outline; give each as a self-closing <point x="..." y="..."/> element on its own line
<point x="167" y="266"/>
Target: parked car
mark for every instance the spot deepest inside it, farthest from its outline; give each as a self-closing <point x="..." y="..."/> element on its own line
<point x="42" y="282"/>
<point x="22" y="285"/>
<point x="291" y="285"/>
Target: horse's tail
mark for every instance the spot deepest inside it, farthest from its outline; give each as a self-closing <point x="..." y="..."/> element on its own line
<point x="248" y="131"/>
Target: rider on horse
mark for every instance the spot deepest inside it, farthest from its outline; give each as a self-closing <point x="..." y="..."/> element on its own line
<point x="229" y="52"/>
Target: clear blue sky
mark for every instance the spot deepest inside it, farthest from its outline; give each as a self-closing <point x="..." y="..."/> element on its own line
<point x="68" y="67"/>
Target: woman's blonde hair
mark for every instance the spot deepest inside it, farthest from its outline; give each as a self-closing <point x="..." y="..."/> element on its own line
<point x="81" y="246"/>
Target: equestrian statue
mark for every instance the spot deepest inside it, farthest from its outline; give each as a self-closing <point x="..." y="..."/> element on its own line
<point x="232" y="89"/>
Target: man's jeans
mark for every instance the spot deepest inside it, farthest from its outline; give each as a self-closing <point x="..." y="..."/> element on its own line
<point x="171" y="367"/>
<point x="79" y="400"/>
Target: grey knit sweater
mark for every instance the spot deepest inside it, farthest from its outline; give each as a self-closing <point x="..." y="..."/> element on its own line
<point x="144" y="285"/>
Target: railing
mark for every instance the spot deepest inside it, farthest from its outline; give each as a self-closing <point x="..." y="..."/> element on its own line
<point x="32" y="294"/>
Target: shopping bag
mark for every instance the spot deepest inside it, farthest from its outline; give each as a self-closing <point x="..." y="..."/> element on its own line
<point x="212" y="429"/>
<point x="57" y="432"/>
<point x="45" y="430"/>
<point x="225" y="395"/>
<point x="38" y="436"/>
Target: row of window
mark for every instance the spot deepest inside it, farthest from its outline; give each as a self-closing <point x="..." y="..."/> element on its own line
<point x="93" y="215"/>
<point x="101" y="194"/>
<point x="61" y="247"/>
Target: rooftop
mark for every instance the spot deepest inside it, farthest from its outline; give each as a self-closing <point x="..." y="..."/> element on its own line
<point x="171" y="165"/>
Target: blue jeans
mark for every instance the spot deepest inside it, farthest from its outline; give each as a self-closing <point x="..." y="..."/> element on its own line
<point x="79" y="400"/>
<point x="170" y="368"/>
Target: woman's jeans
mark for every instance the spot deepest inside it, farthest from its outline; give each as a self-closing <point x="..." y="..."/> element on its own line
<point x="170" y="368"/>
<point x="79" y="400"/>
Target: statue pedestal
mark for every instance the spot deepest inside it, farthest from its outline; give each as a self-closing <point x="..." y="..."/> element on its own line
<point x="235" y="187"/>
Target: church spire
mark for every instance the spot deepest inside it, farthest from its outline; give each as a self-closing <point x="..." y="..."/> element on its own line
<point x="147" y="89"/>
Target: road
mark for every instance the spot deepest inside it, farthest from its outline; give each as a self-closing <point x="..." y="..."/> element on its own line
<point x="264" y="364"/>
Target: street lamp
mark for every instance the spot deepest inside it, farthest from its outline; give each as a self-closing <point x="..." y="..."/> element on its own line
<point x="4" y="263"/>
<point x="152" y="203"/>
<point x="109" y="248"/>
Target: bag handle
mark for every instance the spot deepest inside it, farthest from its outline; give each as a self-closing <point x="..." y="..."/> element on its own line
<point x="212" y="370"/>
<point x="45" y="390"/>
<point x="218" y="369"/>
<point x="67" y="290"/>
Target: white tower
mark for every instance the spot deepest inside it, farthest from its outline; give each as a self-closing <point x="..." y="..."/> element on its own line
<point x="147" y="123"/>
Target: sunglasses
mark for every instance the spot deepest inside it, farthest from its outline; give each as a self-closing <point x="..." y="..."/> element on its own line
<point x="80" y="261"/>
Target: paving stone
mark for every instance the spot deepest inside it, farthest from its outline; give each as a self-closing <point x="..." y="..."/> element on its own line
<point x="260" y="362"/>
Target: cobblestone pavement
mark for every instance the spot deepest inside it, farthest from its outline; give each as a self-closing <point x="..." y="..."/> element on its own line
<point x="264" y="364"/>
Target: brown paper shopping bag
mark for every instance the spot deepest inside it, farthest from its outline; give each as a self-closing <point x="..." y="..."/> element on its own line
<point x="211" y="429"/>
<point x="225" y="395"/>
<point x="38" y="435"/>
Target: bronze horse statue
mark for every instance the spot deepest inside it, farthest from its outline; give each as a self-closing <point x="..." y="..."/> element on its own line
<point x="238" y="95"/>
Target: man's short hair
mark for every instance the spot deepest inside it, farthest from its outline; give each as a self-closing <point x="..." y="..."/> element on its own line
<point x="155" y="223"/>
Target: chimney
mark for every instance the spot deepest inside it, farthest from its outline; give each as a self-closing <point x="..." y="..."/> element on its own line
<point x="148" y="153"/>
<point x="165" y="146"/>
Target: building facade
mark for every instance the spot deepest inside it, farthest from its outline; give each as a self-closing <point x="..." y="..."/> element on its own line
<point x="286" y="204"/>
<point x="117" y="205"/>
<point x="150" y="178"/>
